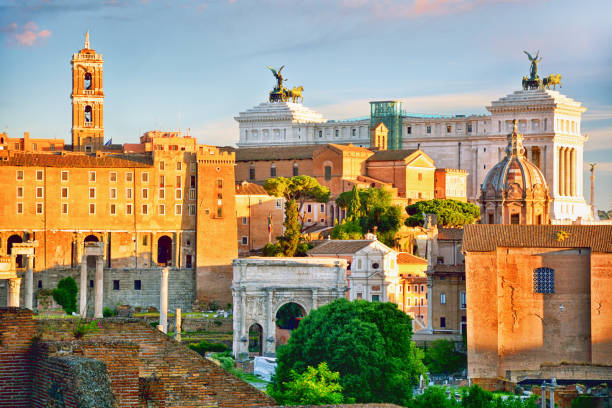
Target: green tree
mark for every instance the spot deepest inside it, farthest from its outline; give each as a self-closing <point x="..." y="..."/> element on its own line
<point x="451" y="213"/>
<point x="354" y="207"/>
<point x="368" y="343"/>
<point x="296" y="190"/>
<point x="347" y="229"/>
<point x="315" y="386"/>
<point x="476" y="397"/>
<point x="434" y="397"/>
<point x="441" y="357"/>
<point x="66" y="294"/>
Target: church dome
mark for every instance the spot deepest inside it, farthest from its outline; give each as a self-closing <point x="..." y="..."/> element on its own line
<point x="514" y="177"/>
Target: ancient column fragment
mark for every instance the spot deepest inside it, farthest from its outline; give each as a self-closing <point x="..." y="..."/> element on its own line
<point x="99" y="287"/>
<point x="163" y="301"/>
<point x="29" y="283"/>
<point x="83" y="288"/>
<point x="14" y="285"/>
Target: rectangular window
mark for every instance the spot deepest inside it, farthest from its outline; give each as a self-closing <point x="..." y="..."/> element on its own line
<point x="192" y="194"/>
<point x="39" y="192"/>
<point x="92" y="208"/>
<point x="128" y="209"/>
<point x="442" y="298"/>
<point x="273" y="171"/>
<point x="39" y="175"/>
<point x="192" y="209"/>
<point x="137" y="284"/>
<point x="129" y="176"/>
<point x="19" y="175"/>
<point x="112" y="176"/>
<point x="179" y="166"/>
<point x="178" y="209"/>
<point x="188" y="262"/>
<point x="128" y="193"/>
<point x="219" y="212"/>
<point x="115" y="284"/>
<point x="328" y="171"/>
<point x="244" y="220"/>
<point x="408" y="302"/>
<point x="162" y="181"/>
<point x="429" y="129"/>
<point x="92" y="176"/>
<point x="162" y="193"/>
<point x="309" y="208"/>
<point x="220" y="183"/>
<point x="448" y="128"/>
<point x="162" y="209"/>
<point x="145" y="209"/>
<point x="113" y="193"/>
<point x="145" y="193"/>
<point x="92" y="192"/>
<point x="544" y="280"/>
<point x="178" y="181"/>
<point x="515" y="218"/>
<point x="252" y="173"/>
<point x="469" y="128"/>
<point x="422" y="288"/>
<point x="39" y="208"/>
<point x="162" y="165"/>
<point x="64" y="208"/>
<point x="192" y="181"/>
<point x="462" y="299"/>
<point x="416" y="288"/>
<point x="375" y="298"/>
<point x="409" y="130"/>
<point x="279" y="203"/>
<point x="19" y="208"/>
<point x="178" y="194"/>
<point x="113" y="209"/>
<point x="193" y="167"/>
<point x="420" y="176"/>
<point x="245" y="240"/>
<point x="359" y="295"/>
<point x="64" y="175"/>
<point x="322" y="208"/>
<point x="443" y="322"/>
<point x="145" y="177"/>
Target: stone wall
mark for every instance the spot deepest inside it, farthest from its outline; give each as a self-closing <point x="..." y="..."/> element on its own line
<point x="181" y="287"/>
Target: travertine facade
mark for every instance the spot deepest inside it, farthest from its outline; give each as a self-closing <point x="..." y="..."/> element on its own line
<point x="261" y="286"/>
<point x="539" y="295"/>
<point x="549" y="121"/>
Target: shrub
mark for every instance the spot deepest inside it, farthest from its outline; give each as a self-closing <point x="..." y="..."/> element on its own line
<point x="316" y="386"/>
<point x="441" y="357"/>
<point x="213" y="306"/>
<point x="204" y="346"/>
<point x="108" y="312"/>
<point x="81" y="328"/>
<point x="66" y="294"/>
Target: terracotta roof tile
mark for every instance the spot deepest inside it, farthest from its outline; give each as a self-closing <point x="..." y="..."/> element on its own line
<point x="77" y="160"/>
<point x="484" y="238"/>
<point x="406" y="258"/>
<point x="338" y="246"/>
<point x="350" y="148"/>
<point x="450" y="234"/>
<point x="276" y="153"/>
<point x="246" y="188"/>
<point x="390" y="155"/>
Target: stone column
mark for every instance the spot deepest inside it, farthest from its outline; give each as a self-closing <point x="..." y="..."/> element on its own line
<point x="543" y="153"/>
<point x="243" y="334"/>
<point x="573" y="172"/>
<point x="543" y="397"/>
<point x="314" y="299"/>
<point x="14" y="284"/>
<point x="29" y="283"/>
<point x="163" y="301"/>
<point x="99" y="287"/>
<point x="566" y="169"/>
<point x="552" y="398"/>
<point x="178" y="323"/>
<point x="269" y="337"/>
<point x="560" y="165"/>
<point x="83" y="288"/>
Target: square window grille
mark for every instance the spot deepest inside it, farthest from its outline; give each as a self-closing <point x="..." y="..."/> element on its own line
<point x="544" y="280"/>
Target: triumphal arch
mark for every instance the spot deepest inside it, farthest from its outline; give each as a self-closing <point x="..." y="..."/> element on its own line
<point x="261" y="286"/>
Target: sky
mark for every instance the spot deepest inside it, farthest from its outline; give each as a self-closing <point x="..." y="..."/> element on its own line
<point x="198" y="63"/>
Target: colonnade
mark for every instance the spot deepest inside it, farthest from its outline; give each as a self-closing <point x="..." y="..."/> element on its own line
<point x="567" y="163"/>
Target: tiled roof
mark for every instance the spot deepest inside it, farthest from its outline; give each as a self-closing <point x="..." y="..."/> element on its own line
<point x="246" y="188"/>
<point x="406" y="258"/>
<point x="450" y="234"/>
<point x="338" y="246"/>
<point x="350" y="148"/>
<point x="484" y="238"/>
<point x="276" y="153"/>
<point x="77" y="160"/>
<point x="389" y="155"/>
<point x="449" y="268"/>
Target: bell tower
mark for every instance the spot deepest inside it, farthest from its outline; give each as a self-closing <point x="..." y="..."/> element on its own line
<point x="87" y="100"/>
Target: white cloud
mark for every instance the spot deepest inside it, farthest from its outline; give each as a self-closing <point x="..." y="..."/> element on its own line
<point x="27" y="35"/>
<point x="599" y="139"/>
<point x="218" y="133"/>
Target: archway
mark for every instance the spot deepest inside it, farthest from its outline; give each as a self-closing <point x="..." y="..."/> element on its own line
<point x="288" y="318"/>
<point x="164" y="251"/>
<point x="255" y="339"/>
<point x="91" y="260"/>
<point x="15" y="239"/>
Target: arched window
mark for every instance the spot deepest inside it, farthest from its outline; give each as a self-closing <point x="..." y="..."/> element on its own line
<point x="328" y="173"/>
<point x="544" y="280"/>
<point x="295" y="169"/>
<point x="87" y="81"/>
<point x="88" y="114"/>
<point x="164" y="250"/>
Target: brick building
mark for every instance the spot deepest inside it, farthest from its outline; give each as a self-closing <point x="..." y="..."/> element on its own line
<point x="27" y="144"/>
<point x="160" y="202"/>
<point x="539" y="301"/>
<point x="413" y="288"/>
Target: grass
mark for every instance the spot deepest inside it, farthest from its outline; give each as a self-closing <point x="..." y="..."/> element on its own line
<point x="226" y="361"/>
<point x="54" y="316"/>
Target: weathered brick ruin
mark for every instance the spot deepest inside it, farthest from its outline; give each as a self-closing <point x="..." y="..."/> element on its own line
<point x="126" y="363"/>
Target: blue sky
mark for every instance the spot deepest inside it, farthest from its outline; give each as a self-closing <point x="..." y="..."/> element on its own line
<point x="206" y="60"/>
